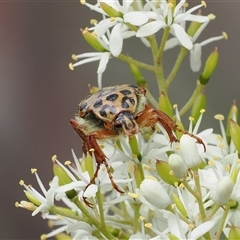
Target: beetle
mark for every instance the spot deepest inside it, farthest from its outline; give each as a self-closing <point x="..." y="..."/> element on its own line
<point x="111" y="111"/>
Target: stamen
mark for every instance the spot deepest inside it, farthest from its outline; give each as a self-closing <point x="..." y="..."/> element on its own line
<point x="67" y="162"/>
<point x="133" y="195"/>
<point x="226" y="37"/>
<point x="93" y="21"/>
<point x="211" y="16"/>
<point x="71" y="66"/>
<point x="219" y="117"/>
<point x="33" y="170"/>
<point x="74" y="57"/>
<point x="148" y="225"/>
<point x="204" y="3"/>
<point x="21" y="182"/>
<point x="82" y="2"/>
<point x="54" y="158"/>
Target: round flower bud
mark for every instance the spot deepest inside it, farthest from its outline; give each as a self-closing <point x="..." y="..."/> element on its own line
<point x="223" y="191"/>
<point x="177" y="165"/>
<point x="154" y="193"/>
<point x="188" y="148"/>
<point x="234" y="233"/>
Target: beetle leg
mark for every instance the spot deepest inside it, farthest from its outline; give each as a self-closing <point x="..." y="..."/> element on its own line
<point x="150" y="116"/>
<point x="90" y="145"/>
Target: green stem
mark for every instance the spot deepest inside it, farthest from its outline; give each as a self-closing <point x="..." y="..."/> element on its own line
<point x="151" y="99"/>
<point x="136" y="207"/>
<point x="199" y="201"/>
<point x="214" y="210"/>
<point x="137" y="63"/>
<point x="92" y="219"/>
<point x="158" y="70"/>
<point x="199" y="195"/>
<point x="177" y="65"/>
<point x="58" y="211"/>
<point x="221" y="225"/>
<point x="159" y="54"/>
<point x="191" y="100"/>
<point x="100" y="208"/>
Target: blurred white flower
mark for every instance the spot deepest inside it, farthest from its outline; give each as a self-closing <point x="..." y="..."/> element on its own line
<point x="163" y="17"/>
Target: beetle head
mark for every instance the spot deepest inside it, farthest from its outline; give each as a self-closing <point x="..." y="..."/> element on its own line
<point x="127" y="122"/>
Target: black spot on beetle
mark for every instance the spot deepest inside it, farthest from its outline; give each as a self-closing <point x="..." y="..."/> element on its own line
<point x="103" y="113"/>
<point x="98" y="103"/>
<point x="82" y="106"/>
<point x="125" y="92"/>
<point x="132" y="101"/>
<point x="112" y="97"/>
<point x="124" y="102"/>
<point x="107" y="108"/>
<point x="132" y="86"/>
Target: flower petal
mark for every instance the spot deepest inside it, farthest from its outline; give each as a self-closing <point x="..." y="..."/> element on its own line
<point x="103" y="62"/>
<point x="150" y="28"/>
<point x="116" y="40"/>
<point x="195" y="57"/>
<point x="182" y="36"/>
<point x="135" y="18"/>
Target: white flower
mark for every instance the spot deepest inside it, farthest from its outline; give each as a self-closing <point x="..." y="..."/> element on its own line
<point x="47" y="199"/>
<point x="119" y="30"/>
<point x="164" y="17"/>
<point x="196" y="51"/>
<point x="102" y="57"/>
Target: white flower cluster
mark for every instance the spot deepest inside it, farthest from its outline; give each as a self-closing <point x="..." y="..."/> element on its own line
<point x="187" y="194"/>
<point x="178" y="190"/>
<point x="136" y="19"/>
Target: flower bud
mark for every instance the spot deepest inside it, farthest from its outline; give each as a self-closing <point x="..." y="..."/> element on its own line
<point x="179" y="205"/>
<point x="63" y="178"/>
<point x="110" y="10"/>
<point x="198" y="105"/>
<point x="154" y="193"/>
<point x="209" y="67"/>
<point x="235" y="134"/>
<point x="234" y="232"/>
<point x="135" y="70"/>
<point x="234" y="174"/>
<point x="138" y="176"/>
<point x="180" y="125"/>
<point x="193" y="27"/>
<point x="178" y="166"/>
<point x="188" y="148"/>
<point x="164" y="171"/>
<point x="172" y="237"/>
<point x="223" y="191"/>
<point x="92" y="40"/>
<point x="134" y="147"/>
<point x="165" y="104"/>
<point x="62" y="236"/>
<point x="233" y="114"/>
<point x="31" y="198"/>
<point x="92" y="89"/>
<point x="87" y="164"/>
